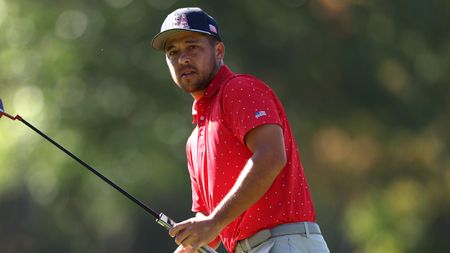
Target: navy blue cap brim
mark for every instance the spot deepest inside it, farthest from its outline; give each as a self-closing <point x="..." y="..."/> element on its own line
<point x="159" y="41"/>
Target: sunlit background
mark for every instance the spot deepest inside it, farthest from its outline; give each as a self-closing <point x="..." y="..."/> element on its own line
<point x="365" y="85"/>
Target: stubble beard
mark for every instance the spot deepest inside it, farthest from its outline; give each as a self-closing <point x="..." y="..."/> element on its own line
<point x="202" y="82"/>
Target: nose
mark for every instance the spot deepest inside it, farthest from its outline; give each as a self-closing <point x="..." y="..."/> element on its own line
<point x="184" y="58"/>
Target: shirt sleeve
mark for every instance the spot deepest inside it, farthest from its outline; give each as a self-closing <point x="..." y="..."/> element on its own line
<point x="248" y="103"/>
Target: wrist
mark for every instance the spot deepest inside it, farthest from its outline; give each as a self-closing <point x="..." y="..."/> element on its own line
<point x="219" y="219"/>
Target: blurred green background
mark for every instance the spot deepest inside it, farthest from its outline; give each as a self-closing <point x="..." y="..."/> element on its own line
<point x="365" y="85"/>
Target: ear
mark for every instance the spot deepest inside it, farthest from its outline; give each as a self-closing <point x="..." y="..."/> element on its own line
<point x="220" y="50"/>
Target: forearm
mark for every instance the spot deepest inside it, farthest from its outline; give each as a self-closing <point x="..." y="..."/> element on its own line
<point x="255" y="179"/>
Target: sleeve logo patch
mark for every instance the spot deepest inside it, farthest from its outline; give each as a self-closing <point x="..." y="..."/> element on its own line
<point x="260" y="114"/>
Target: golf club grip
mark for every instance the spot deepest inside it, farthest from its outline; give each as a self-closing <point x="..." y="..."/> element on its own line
<point x="168" y="223"/>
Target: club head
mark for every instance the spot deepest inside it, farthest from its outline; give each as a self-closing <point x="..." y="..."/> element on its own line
<point x="3" y="113"/>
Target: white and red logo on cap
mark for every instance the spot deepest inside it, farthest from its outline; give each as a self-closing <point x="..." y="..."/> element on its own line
<point x="180" y="20"/>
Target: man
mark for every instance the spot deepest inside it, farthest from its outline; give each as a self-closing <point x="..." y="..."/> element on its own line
<point x="248" y="185"/>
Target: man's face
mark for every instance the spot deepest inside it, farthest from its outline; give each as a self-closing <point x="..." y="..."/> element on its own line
<point x="193" y="60"/>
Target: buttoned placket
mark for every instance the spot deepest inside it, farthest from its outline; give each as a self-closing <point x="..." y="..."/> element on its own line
<point x="201" y="116"/>
<point x="201" y="122"/>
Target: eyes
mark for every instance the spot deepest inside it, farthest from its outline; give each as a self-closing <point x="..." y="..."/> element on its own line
<point x="172" y="51"/>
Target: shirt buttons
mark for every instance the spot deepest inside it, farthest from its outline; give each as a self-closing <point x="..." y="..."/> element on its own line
<point x="202" y="118"/>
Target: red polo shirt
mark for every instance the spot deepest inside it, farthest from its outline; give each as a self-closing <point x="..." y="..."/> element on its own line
<point x="232" y="106"/>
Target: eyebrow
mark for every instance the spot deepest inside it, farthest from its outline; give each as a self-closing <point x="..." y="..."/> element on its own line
<point x="188" y="41"/>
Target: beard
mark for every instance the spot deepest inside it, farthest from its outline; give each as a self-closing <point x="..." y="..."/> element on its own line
<point x="197" y="80"/>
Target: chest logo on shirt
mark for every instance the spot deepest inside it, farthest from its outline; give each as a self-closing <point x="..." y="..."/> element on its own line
<point x="260" y="114"/>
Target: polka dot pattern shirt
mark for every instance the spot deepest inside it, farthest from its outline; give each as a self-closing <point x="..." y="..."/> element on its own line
<point x="232" y="106"/>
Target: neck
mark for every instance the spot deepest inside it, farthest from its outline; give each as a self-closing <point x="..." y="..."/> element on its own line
<point x="197" y="95"/>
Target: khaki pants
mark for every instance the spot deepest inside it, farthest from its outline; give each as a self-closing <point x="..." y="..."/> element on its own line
<point x="314" y="243"/>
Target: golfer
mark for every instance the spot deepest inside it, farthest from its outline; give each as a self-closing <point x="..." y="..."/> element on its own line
<point x="249" y="190"/>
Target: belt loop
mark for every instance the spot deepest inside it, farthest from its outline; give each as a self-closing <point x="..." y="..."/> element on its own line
<point x="247" y="245"/>
<point x="306" y="229"/>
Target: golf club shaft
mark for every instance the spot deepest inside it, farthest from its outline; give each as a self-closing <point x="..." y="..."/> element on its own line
<point x="161" y="218"/>
<point x="129" y="196"/>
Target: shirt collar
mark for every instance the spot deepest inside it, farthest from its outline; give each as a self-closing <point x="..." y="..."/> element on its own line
<point x="222" y="75"/>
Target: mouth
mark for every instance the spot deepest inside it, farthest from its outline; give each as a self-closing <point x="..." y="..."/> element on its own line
<point x="188" y="72"/>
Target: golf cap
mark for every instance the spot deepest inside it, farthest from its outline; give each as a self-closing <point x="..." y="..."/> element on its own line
<point x="191" y="19"/>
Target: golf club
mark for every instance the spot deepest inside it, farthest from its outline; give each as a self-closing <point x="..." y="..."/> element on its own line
<point x="161" y="218"/>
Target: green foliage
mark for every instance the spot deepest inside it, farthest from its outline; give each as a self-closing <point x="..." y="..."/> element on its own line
<point x="365" y="85"/>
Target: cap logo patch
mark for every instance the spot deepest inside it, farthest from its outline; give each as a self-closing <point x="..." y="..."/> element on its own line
<point x="181" y="21"/>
